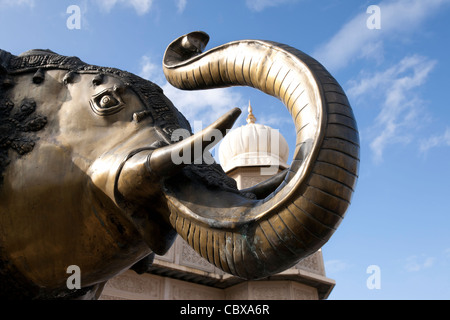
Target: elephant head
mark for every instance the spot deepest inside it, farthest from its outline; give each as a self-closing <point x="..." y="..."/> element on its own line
<point x="89" y="178"/>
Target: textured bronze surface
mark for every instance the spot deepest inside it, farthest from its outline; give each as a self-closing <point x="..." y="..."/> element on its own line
<point x="88" y="177"/>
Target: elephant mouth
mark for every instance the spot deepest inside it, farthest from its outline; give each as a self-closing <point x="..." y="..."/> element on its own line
<point x="206" y="194"/>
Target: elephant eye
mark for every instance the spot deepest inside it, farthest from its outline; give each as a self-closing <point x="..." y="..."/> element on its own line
<point x="107" y="102"/>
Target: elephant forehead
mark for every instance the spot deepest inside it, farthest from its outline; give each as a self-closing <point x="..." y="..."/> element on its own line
<point x="84" y="87"/>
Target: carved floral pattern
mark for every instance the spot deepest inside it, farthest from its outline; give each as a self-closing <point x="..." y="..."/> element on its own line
<point x="16" y="126"/>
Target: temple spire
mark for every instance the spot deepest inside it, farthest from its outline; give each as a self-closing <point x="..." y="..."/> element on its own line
<point x="251" y="118"/>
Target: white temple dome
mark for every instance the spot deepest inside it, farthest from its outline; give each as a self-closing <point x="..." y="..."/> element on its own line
<point x="253" y="144"/>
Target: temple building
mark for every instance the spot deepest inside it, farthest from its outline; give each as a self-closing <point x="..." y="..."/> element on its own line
<point x="249" y="154"/>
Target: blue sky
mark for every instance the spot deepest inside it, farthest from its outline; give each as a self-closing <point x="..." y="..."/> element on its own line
<point x="396" y="78"/>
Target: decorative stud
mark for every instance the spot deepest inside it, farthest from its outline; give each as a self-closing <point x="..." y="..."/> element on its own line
<point x="69" y="77"/>
<point x="39" y="76"/>
<point x="139" y="116"/>
<point x="7" y="82"/>
<point x="98" y="79"/>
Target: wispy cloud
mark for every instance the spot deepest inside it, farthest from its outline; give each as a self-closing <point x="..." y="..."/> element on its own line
<point x="355" y="41"/>
<point x="416" y="263"/>
<point x="401" y="108"/>
<point x="151" y="71"/>
<point x="11" y="3"/>
<point x="274" y="121"/>
<point x="203" y="106"/>
<point x="436" y="141"/>
<point x="181" y="5"/>
<point x="141" y="6"/>
<point x="394" y="89"/>
<point x="334" y="266"/>
<point x="447" y="253"/>
<point x="260" y="5"/>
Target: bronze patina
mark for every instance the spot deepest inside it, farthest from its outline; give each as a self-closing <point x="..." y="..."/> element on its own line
<point x="88" y="177"/>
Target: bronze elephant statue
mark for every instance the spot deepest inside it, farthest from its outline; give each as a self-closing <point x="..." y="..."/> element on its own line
<point x="87" y="176"/>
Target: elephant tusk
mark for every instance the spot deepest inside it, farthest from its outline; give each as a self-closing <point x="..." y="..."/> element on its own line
<point x="169" y="160"/>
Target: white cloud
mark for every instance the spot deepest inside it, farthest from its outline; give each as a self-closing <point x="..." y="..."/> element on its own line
<point x="447" y="253"/>
<point x="181" y="5"/>
<point x="274" y="120"/>
<point x="141" y="6"/>
<point x="401" y="109"/>
<point x="151" y="71"/>
<point x="355" y="41"/>
<point x="259" y="5"/>
<point x="11" y="3"/>
<point x="334" y="266"/>
<point x="394" y="90"/>
<point x="107" y="5"/>
<point x="436" y="141"/>
<point x="415" y="263"/>
<point x="200" y="107"/>
<point x="203" y="106"/>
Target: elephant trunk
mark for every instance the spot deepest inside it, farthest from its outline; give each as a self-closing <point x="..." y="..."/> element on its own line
<point x="256" y="238"/>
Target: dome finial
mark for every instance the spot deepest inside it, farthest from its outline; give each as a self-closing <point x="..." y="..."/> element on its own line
<point x="251" y="118"/>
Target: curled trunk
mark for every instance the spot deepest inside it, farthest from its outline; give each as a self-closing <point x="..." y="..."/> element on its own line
<point x="255" y="238"/>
